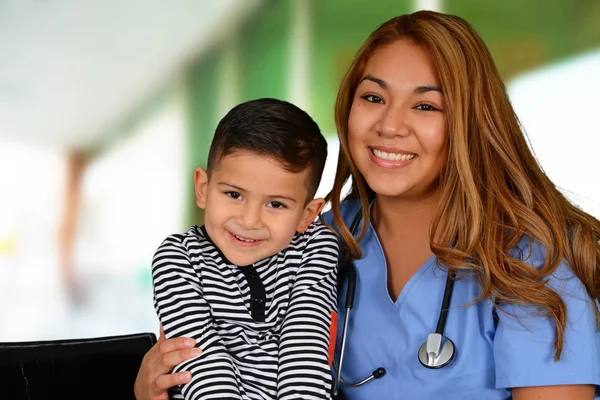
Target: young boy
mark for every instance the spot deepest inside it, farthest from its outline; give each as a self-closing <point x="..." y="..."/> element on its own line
<point x="255" y="286"/>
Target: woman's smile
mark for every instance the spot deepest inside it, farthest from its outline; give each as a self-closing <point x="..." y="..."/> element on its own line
<point x="391" y="159"/>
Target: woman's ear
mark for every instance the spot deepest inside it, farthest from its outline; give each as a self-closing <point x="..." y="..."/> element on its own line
<point x="311" y="210"/>
<point x="200" y="186"/>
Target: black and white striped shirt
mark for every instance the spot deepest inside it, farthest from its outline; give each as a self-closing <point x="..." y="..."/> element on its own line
<point x="198" y="293"/>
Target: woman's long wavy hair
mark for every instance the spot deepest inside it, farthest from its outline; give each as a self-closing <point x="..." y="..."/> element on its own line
<point x="493" y="191"/>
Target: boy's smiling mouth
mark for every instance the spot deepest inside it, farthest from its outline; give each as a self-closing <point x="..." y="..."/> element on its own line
<point x="243" y="240"/>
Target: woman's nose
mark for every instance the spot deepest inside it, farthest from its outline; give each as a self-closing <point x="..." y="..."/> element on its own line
<point x="393" y="123"/>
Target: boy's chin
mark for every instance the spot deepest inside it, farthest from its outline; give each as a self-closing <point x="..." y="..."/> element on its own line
<point x="243" y="260"/>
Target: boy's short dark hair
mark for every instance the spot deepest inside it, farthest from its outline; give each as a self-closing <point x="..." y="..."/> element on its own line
<point x="272" y="128"/>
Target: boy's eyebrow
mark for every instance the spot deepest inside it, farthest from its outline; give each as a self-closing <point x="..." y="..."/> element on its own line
<point x="280" y="196"/>
<point x="234" y="187"/>
<point x="273" y="196"/>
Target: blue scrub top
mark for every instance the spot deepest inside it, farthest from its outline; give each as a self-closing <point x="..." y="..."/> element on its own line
<point x="492" y="355"/>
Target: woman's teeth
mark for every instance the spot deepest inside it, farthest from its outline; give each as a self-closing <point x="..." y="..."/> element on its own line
<point x="393" y="156"/>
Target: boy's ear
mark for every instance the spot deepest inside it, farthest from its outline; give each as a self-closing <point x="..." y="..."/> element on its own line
<point x="200" y="186"/>
<point x="311" y="210"/>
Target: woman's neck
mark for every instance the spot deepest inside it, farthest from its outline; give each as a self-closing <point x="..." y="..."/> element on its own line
<point x="403" y="230"/>
<point x="405" y="217"/>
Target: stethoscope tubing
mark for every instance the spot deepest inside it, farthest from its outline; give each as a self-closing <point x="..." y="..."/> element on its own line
<point x="350" y="270"/>
<point x="350" y="291"/>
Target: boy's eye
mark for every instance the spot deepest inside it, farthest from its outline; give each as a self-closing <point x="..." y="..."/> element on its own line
<point x="234" y="195"/>
<point x="371" y="98"/>
<point x="426" y="107"/>
<point x="276" y="204"/>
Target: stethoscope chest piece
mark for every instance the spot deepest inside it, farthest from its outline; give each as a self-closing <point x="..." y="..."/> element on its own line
<point x="437" y="352"/>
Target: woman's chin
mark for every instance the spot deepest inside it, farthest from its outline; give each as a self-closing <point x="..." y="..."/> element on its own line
<point x="405" y="192"/>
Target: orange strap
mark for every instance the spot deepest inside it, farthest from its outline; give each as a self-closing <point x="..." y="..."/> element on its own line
<point x="332" y="336"/>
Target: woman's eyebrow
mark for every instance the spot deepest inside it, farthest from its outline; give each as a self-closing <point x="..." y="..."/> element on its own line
<point x="428" y="88"/>
<point x="382" y="84"/>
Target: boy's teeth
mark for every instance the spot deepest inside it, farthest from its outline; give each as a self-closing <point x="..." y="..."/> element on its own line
<point x="393" y="156"/>
<point x="244" y="240"/>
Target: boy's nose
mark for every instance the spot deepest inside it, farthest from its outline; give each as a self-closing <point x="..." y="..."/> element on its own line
<point x="250" y="217"/>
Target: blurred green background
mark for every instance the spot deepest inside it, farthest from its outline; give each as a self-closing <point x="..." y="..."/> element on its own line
<point x="106" y="108"/>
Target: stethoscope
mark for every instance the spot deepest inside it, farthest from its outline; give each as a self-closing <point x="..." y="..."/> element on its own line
<point x="437" y="351"/>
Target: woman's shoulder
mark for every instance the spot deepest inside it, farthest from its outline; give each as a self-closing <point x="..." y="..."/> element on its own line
<point x="530" y="250"/>
<point x="524" y="338"/>
<point x="562" y="279"/>
<point x="348" y="209"/>
<point x="534" y="253"/>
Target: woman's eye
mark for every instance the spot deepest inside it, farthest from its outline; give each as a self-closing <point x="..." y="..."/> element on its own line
<point x="234" y="195"/>
<point x="371" y="98"/>
<point x="426" y="107"/>
<point x="276" y="204"/>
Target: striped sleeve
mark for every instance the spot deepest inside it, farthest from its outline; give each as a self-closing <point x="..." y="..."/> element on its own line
<point x="304" y="363"/>
<point x="183" y="311"/>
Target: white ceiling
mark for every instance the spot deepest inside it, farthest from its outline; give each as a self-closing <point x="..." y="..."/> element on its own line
<point x="70" y="70"/>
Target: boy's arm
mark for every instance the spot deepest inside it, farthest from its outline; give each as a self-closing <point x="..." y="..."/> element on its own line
<point x="183" y="311"/>
<point x="308" y="331"/>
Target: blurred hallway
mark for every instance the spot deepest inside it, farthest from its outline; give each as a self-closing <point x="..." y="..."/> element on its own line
<point x="106" y="108"/>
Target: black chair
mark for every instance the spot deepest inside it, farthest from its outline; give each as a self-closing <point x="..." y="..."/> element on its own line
<point x="98" y="368"/>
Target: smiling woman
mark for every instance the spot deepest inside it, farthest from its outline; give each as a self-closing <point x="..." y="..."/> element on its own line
<point x="473" y="202"/>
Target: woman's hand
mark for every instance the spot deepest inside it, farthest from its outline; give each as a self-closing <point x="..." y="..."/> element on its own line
<point x="571" y="392"/>
<point x="154" y="376"/>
